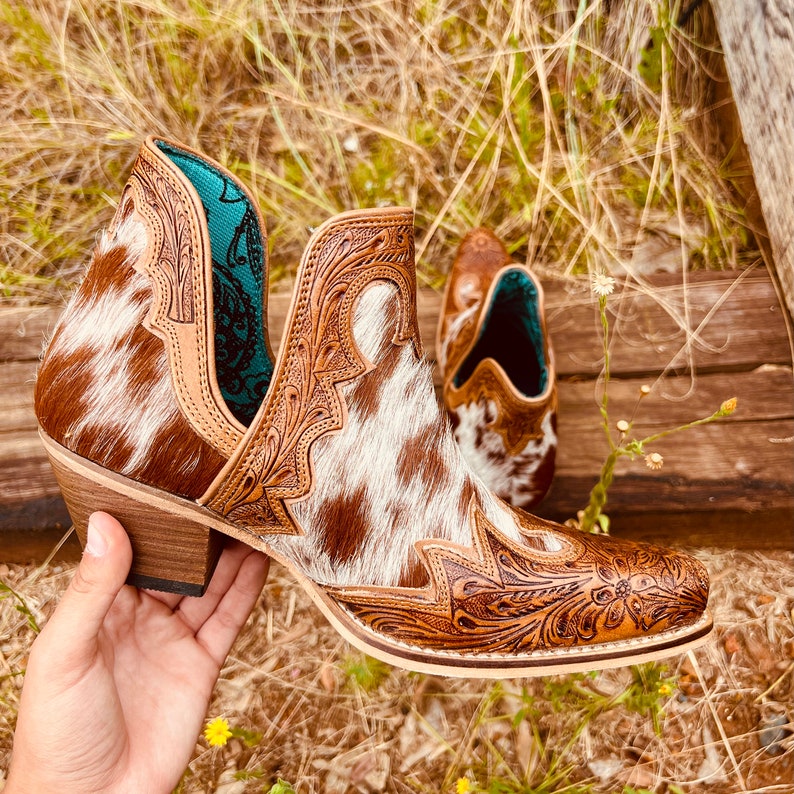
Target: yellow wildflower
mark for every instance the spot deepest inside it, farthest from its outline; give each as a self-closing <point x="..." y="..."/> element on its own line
<point x="665" y="689"/>
<point x="654" y="461"/>
<point x="622" y="425"/>
<point x="602" y="284"/>
<point x="462" y="785"/>
<point x="728" y="407"/>
<point x="217" y="732"/>
<point x="645" y="390"/>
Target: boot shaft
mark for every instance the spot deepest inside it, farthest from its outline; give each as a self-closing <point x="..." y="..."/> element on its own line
<point x="129" y="377"/>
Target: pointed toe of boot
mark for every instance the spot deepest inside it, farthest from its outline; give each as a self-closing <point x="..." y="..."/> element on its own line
<point x="558" y="601"/>
<point x="643" y="591"/>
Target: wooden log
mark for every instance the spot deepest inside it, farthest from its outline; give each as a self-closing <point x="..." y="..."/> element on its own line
<point x="758" y="41"/>
<point x="23" y="331"/>
<point x="728" y="483"/>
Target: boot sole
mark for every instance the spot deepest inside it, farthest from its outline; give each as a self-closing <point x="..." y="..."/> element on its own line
<point x="176" y="544"/>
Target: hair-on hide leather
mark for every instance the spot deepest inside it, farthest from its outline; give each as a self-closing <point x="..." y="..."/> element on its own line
<point x="104" y="386"/>
<point x="392" y="476"/>
<point x="520" y="479"/>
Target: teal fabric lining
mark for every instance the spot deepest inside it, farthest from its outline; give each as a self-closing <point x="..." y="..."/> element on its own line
<point x="512" y="335"/>
<point x="243" y="366"/>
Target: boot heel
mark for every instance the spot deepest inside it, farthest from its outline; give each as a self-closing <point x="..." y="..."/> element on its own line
<point x="170" y="552"/>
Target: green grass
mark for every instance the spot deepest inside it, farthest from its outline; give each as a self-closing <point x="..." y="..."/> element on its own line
<point x="572" y="133"/>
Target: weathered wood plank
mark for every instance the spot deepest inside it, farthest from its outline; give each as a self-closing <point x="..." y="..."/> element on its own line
<point x="23" y="330"/>
<point x="764" y="394"/>
<point x="717" y="324"/>
<point x="721" y="484"/>
<point x="16" y="387"/>
<point x="758" y="40"/>
<point x="737" y="468"/>
<point x="25" y="474"/>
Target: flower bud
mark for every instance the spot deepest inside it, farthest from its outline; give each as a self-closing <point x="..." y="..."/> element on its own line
<point x="728" y="407"/>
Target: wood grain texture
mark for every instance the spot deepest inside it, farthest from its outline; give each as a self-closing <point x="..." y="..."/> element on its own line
<point x="758" y="41"/>
<point x="728" y="483"/>
<point x="192" y="549"/>
<point x="23" y="331"/>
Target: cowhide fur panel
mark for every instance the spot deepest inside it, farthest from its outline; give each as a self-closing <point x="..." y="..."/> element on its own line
<point x="104" y="386"/>
<point x="521" y="479"/>
<point x="393" y="475"/>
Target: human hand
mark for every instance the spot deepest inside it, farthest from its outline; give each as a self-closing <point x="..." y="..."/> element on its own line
<point x="119" y="680"/>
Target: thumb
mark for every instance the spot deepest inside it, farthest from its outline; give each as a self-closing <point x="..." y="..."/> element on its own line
<point x="96" y="583"/>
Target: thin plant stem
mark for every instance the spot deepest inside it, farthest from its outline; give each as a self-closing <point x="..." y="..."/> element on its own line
<point x="602" y="307"/>
<point x="594" y="514"/>
<point x="598" y="495"/>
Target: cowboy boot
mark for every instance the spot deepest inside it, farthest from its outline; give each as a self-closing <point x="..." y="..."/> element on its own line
<point x="348" y="473"/>
<point x="497" y="370"/>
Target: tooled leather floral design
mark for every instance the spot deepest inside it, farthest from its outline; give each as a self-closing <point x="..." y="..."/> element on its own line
<point x="177" y="264"/>
<point x="166" y="211"/>
<point x="499" y="597"/>
<point x="517" y="420"/>
<point x="303" y="402"/>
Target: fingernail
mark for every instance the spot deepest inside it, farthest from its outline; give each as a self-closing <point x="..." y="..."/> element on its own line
<point x="95" y="543"/>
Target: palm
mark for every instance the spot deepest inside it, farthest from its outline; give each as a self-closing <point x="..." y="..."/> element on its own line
<point x="138" y="698"/>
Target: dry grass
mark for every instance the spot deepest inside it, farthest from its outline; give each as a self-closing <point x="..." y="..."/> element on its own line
<point x="555" y="124"/>
<point x="291" y="680"/>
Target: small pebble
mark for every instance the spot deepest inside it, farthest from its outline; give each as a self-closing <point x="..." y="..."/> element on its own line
<point x="772" y="733"/>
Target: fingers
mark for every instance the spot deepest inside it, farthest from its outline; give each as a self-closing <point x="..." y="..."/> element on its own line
<point x="194" y="611"/>
<point x="221" y="627"/>
<point x="100" y="576"/>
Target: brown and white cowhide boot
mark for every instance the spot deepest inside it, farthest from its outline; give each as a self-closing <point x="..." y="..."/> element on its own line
<point x="348" y="472"/>
<point x="497" y="370"/>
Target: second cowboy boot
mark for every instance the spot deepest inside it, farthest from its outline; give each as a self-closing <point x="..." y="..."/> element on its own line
<point x="347" y="472"/>
<point x="497" y="370"/>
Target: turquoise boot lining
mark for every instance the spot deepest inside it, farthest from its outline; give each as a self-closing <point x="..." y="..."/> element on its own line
<point x="512" y="336"/>
<point x="242" y="363"/>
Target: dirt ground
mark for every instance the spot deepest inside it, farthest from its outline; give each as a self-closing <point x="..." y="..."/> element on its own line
<point x="290" y="682"/>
